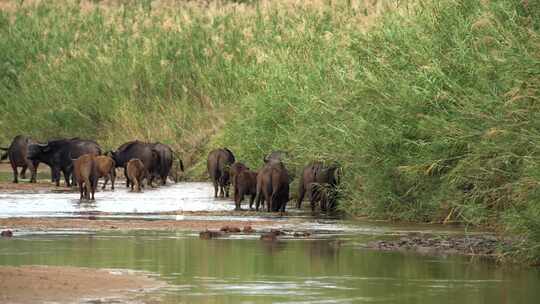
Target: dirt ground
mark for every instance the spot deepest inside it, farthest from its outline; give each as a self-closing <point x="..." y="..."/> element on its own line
<point x="97" y="224"/>
<point x="68" y="284"/>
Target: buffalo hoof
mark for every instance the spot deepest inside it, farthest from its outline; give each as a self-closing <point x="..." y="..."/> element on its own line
<point x="248" y="229"/>
<point x="6" y="233"/>
<point x="207" y="234"/>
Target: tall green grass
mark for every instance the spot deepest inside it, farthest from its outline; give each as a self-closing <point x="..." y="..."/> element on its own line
<point x="431" y="107"/>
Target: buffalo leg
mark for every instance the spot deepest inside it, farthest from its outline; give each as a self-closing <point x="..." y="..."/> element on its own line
<point x="94" y="183"/>
<point x="215" y="189"/>
<point x="238" y="200"/>
<point x="105" y="182"/>
<point x="113" y="177"/>
<point x="269" y="201"/>
<point x="81" y="190"/>
<point x="251" y="199"/>
<point x="56" y="176"/>
<point x="66" y="178"/>
<point x="126" y="176"/>
<point x="15" y="173"/>
<point x="137" y="185"/>
<point x="23" y="171"/>
<point x="226" y="190"/>
<point x="301" y="193"/>
<point x="34" y="172"/>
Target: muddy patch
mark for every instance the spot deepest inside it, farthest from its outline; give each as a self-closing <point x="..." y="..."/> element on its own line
<point x="70" y="284"/>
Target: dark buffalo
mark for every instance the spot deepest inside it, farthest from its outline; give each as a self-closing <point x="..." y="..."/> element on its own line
<point x="141" y="150"/>
<point x="86" y="172"/>
<point x="319" y="182"/>
<point x="245" y="183"/>
<point x="273" y="186"/>
<point x="136" y="173"/>
<point x="178" y="167"/>
<point x="166" y="159"/>
<point x="236" y="168"/>
<point x="18" y="153"/>
<point x="106" y="168"/>
<point x="218" y="164"/>
<point x="58" y="154"/>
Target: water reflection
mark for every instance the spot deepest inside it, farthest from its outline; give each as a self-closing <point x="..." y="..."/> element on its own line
<point x="286" y="271"/>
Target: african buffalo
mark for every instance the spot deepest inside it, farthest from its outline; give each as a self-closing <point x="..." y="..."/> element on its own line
<point x="273" y="186"/>
<point x="106" y="168"/>
<point x="318" y="181"/>
<point x="245" y="183"/>
<point x="178" y="167"/>
<point x="17" y="153"/>
<point x="86" y="172"/>
<point x="219" y="161"/>
<point x="142" y="151"/>
<point x="58" y="154"/>
<point x="136" y="173"/>
<point x="236" y="168"/>
<point x="166" y="159"/>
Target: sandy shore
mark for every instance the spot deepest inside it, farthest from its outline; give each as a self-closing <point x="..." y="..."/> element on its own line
<point x="69" y="284"/>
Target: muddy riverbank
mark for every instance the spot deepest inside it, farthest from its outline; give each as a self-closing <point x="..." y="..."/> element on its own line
<point x="471" y="245"/>
<point x="40" y="284"/>
<point x="93" y="223"/>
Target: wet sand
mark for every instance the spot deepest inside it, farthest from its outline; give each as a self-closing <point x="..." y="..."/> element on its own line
<point x="39" y="284"/>
<point x="92" y="223"/>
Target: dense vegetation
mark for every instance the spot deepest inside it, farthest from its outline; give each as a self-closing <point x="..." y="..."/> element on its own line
<point x="431" y="107"/>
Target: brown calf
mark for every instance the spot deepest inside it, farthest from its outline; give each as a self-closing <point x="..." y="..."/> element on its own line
<point x="136" y="173"/>
<point x="106" y="168"/>
<point x="245" y="183"/>
<point x="273" y="186"/>
<point x="86" y="173"/>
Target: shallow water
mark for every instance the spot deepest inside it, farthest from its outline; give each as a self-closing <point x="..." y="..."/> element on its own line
<point x="330" y="267"/>
<point x="176" y="197"/>
<point x="248" y="270"/>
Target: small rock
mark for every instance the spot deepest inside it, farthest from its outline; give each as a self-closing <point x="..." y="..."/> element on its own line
<point x="277" y="232"/>
<point x="302" y="234"/>
<point x="7" y="233"/>
<point x="230" y="229"/>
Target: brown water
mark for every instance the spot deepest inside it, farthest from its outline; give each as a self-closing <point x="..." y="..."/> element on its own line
<point x="327" y="269"/>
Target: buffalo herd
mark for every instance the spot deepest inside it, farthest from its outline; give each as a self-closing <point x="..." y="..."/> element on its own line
<point x="83" y="162"/>
<point x="270" y="184"/>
